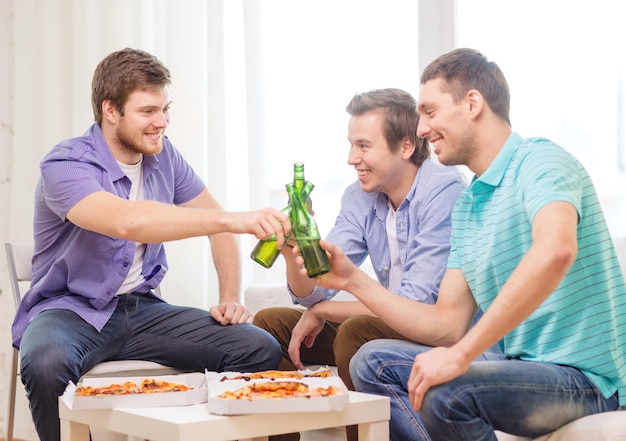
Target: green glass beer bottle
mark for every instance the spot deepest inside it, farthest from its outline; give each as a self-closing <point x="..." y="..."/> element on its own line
<point x="298" y="181"/>
<point x="266" y="252"/>
<point x="298" y="176"/>
<point x="307" y="235"/>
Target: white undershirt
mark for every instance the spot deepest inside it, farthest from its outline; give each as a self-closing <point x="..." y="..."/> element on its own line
<point x="134" y="278"/>
<point x="395" y="272"/>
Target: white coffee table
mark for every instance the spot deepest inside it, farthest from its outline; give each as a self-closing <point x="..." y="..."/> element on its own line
<point x="190" y="423"/>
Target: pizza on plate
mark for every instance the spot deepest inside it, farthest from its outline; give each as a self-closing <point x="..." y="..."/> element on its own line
<point x="147" y="386"/>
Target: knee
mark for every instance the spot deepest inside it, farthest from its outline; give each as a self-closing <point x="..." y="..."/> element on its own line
<point x="259" y="351"/>
<point x="270" y="346"/>
<point x="430" y="412"/>
<point x="353" y="333"/>
<point x="49" y="367"/>
<point x="358" y="367"/>
<point x="364" y="363"/>
<point x="262" y="317"/>
<point x="273" y="354"/>
<point x="275" y="318"/>
<point x="357" y="326"/>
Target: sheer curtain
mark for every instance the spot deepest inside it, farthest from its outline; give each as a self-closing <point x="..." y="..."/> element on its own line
<point x="57" y="45"/>
<point x="216" y="52"/>
<point x="218" y="58"/>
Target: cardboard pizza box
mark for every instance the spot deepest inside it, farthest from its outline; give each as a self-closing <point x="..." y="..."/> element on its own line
<point x="220" y="382"/>
<point x="195" y="380"/>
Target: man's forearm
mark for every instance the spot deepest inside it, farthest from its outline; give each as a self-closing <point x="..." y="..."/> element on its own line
<point x="225" y="251"/>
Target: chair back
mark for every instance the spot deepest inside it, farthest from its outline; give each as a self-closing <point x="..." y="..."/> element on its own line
<point x="19" y="260"/>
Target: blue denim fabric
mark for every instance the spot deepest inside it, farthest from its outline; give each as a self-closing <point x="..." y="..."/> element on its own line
<point x="58" y="346"/>
<point x="517" y="397"/>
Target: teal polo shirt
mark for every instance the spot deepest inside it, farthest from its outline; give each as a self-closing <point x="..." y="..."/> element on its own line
<point x="583" y="323"/>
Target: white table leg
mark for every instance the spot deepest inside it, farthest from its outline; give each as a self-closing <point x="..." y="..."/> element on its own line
<point x="378" y="431"/>
<point x="73" y="431"/>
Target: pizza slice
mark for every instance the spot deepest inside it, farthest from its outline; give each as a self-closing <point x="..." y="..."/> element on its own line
<point x="147" y="386"/>
<point x="278" y="390"/>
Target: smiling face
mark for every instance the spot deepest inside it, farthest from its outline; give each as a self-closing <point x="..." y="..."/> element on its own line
<point x="140" y="128"/>
<point x="445" y="123"/>
<point x="377" y="167"/>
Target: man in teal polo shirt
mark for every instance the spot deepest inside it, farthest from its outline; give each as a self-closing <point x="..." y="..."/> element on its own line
<point x="531" y="248"/>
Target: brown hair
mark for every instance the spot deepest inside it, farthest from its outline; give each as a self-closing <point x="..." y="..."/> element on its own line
<point x="401" y="118"/>
<point x="465" y="69"/>
<point x="123" y="72"/>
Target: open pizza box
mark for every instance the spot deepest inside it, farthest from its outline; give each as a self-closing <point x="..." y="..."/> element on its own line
<point x="198" y="393"/>
<point x="222" y="382"/>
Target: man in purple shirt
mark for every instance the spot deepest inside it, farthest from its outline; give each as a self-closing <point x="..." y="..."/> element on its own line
<point x="104" y="205"/>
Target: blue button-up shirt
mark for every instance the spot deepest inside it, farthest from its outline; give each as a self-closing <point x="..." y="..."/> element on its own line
<point x="77" y="269"/>
<point x="423" y="232"/>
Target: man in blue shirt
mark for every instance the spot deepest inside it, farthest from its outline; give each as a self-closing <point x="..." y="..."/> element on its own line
<point x="397" y="213"/>
<point x="104" y="205"/>
<point x="531" y="248"/>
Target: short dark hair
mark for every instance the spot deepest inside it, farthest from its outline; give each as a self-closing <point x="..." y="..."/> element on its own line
<point x="401" y="118"/>
<point x="123" y="72"/>
<point x="464" y="69"/>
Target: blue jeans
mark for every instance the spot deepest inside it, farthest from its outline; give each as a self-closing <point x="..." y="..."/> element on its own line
<point x="518" y="397"/>
<point x="58" y="346"/>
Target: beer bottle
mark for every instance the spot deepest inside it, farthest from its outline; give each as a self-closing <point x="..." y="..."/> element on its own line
<point x="298" y="181"/>
<point x="298" y="175"/>
<point x="307" y="235"/>
<point x="266" y="252"/>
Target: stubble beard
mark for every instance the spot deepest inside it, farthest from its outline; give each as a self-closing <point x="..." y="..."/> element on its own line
<point x="129" y="144"/>
<point x="462" y="155"/>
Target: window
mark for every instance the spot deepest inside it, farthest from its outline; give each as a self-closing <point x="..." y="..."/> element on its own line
<point x="563" y="60"/>
<point x="566" y="67"/>
<point x="318" y="55"/>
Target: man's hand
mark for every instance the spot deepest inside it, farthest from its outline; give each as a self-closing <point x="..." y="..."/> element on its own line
<point x="231" y="313"/>
<point x="434" y="367"/>
<point x="341" y="267"/>
<point x="306" y="330"/>
<point x="263" y="224"/>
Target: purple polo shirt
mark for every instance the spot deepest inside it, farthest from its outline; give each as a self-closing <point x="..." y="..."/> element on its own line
<point x="80" y="270"/>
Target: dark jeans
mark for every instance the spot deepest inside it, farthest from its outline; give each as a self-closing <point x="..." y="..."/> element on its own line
<point x="59" y="346"/>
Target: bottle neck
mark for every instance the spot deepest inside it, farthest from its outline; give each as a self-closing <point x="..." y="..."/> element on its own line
<point x="298" y="176"/>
